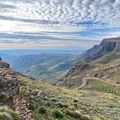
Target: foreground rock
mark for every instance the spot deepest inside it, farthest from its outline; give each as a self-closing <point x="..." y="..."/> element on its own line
<point x="9" y="86"/>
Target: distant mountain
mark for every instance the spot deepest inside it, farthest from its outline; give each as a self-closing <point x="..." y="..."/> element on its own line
<point x="46" y="67"/>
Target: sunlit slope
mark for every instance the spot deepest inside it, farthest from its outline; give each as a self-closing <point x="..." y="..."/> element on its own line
<point x="50" y="102"/>
<point x="106" y="68"/>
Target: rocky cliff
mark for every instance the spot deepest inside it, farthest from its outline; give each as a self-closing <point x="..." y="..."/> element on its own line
<point x="9" y="92"/>
<point x="8" y="80"/>
<point x="111" y="44"/>
<point x="106" y="46"/>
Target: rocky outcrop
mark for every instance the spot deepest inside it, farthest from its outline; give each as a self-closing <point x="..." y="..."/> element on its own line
<point x="110" y="44"/>
<point x="9" y="86"/>
<point x="97" y="51"/>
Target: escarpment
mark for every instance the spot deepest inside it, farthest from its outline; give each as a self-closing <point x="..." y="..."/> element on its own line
<point x="106" y="46"/>
<point x="110" y="44"/>
<point x="107" y="50"/>
<point x="9" y="90"/>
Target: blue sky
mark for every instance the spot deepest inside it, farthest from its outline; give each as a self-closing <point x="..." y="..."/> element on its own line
<point x="57" y="24"/>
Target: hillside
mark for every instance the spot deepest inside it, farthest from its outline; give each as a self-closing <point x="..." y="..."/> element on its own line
<point x="22" y="98"/>
<point x="28" y="99"/>
<point x="97" y="99"/>
<point x="105" y="67"/>
<point x="44" y="67"/>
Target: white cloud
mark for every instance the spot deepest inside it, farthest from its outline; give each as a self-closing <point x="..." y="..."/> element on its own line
<point x="65" y="11"/>
<point x="34" y="16"/>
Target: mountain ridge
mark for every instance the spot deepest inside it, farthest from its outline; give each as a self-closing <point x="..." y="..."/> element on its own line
<point x="91" y="65"/>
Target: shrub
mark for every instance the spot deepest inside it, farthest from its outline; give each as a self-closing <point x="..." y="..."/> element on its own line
<point x="54" y="99"/>
<point x="77" y="115"/>
<point x="42" y="110"/>
<point x="57" y="114"/>
<point x="5" y="116"/>
<point x="3" y="97"/>
<point x="75" y="100"/>
<point x="85" y="117"/>
<point x="32" y="106"/>
<point x="8" y="114"/>
<point x="60" y="104"/>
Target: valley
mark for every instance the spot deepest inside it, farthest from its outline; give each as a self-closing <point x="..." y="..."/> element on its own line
<point x="47" y="67"/>
<point x="89" y="91"/>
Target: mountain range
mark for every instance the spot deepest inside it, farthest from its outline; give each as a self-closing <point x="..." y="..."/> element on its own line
<point x="89" y="91"/>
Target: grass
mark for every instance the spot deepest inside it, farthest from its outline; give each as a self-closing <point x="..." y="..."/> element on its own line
<point x="8" y="114"/>
<point x="107" y="58"/>
<point x="102" y="86"/>
<point x="93" y="101"/>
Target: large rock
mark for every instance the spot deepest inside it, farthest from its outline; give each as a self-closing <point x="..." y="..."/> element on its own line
<point x="8" y="80"/>
<point x="4" y="65"/>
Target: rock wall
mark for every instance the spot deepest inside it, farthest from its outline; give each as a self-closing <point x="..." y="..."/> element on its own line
<point x="9" y="86"/>
<point x="111" y="44"/>
<point x="8" y="80"/>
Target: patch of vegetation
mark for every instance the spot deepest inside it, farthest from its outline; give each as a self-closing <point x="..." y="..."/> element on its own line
<point x="57" y="114"/>
<point x="90" y="101"/>
<point x="42" y="110"/>
<point x="8" y="114"/>
<point x="3" y="97"/>
<point x="102" y="86"/>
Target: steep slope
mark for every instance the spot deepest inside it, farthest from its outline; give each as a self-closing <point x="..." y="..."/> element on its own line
<point x="105" y="67"/>
<point x="97" y="99"/>
<point x="9" y="94"/>
<point x="105" y="47"/>
<point x="32" y="99"/>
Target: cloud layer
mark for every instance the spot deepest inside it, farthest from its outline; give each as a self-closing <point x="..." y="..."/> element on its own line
<point x="58" y="16"/>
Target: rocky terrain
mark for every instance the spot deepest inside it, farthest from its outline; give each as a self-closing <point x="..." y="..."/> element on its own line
<point x="9" y="89"/>
<point x="27" y="99"/>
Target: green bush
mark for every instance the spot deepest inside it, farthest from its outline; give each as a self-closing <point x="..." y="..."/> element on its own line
<point x="61" y="105"/>
<point x="5" y="116"/>
<point x="3" y="97"/>
<point x="8" y="114"/>
<point x="32" y="105"/>
<point x="57" y="114"/>
<point x="77" y="115"/>
<point x="54" y="99"/>
<point x="42" y="110"/>
<point x="75" y="100"/>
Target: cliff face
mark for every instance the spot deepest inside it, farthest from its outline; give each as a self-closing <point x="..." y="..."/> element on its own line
<point x="111" y="44"/>
<point x="8" y="81"/>
<point x="106" y="46"/>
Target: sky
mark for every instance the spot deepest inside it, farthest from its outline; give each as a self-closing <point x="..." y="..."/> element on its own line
<point x="57" y="24"/>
